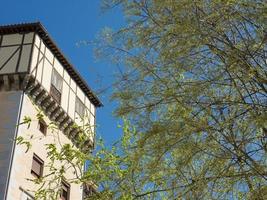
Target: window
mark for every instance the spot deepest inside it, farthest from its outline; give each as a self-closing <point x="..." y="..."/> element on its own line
<point x="37" y="166"/>
<point x="79" y="107"/>
<point x="65" y="193"/>
<point x="42" y="126"/>
<point x="56" y="86"/>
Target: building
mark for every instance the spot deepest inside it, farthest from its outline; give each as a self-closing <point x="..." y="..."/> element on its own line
<point x="34" y="76"/>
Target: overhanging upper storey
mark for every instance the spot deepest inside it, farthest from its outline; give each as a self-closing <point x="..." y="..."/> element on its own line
<point x="21" y="47"/>
<point x="30" y="61"/>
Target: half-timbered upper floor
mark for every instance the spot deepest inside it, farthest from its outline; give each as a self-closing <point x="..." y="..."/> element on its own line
<point x="31" y="61"/>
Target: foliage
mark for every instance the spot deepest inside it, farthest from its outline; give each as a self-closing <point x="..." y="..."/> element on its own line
<point x="62" y="158"/>
<point x="106" y="166"/>
<point x="194" y="85"/>
<point x="193" y="91"/>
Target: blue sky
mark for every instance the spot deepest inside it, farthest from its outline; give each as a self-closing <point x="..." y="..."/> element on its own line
<point x="68" y="22"/>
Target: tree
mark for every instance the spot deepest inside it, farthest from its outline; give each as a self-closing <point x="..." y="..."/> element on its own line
<point x="193" y="93"/>
<point x="194" y="87"/>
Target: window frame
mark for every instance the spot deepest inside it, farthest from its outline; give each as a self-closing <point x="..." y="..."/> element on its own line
<point x="39" y="161"/>
<point x="67" y="186"/>
<point x="41" y="123"/>
<point x="78" y="100"/>
<point x="56" y="92"/>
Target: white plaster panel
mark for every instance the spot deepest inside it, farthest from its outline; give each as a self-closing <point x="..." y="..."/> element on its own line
<point x="33" y="72"/>
<point x="34" y="58"/>
<point x="72" y="98"/>
<point x="42" y="47"/>
<point x="47" y="73"/>
<point x="73" y="85"/>
<point x="49" y="55"/>
<point x="66" y="77"/>
<point x="58" y="67"/>
<point x="92" y="126"/>
<point x="80" y="94"/>
<point x="37" y="40"/>
<point x="12" y="39"/>
<point x="87" y="103"/>
<point x="78" y="120"/>
<point x="28" y="38"/>
<point x="87" y="114"/>
<point x="87" y="118"/>
<point x="39" y="70"/>
<point x="65" y="96"/>
<point x="92" y="109"/>
<point x="92" y="120"/>
<point x="91" y="137"/>
<point x="25" y="57"/>
<point x="5" y="54"/>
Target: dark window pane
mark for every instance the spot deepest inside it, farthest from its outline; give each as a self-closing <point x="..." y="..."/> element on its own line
<point x="57" y="80"/>
<point x="79" y="107"/>
<point x="65" y="191"/>
<point x="42" y="126"/>
<point x="55" y="94"/>
<point x="56" y="86"/>
<point x="37" y="166"/>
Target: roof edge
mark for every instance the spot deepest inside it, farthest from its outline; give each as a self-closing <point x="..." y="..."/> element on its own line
<point x="38" y="28"/>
